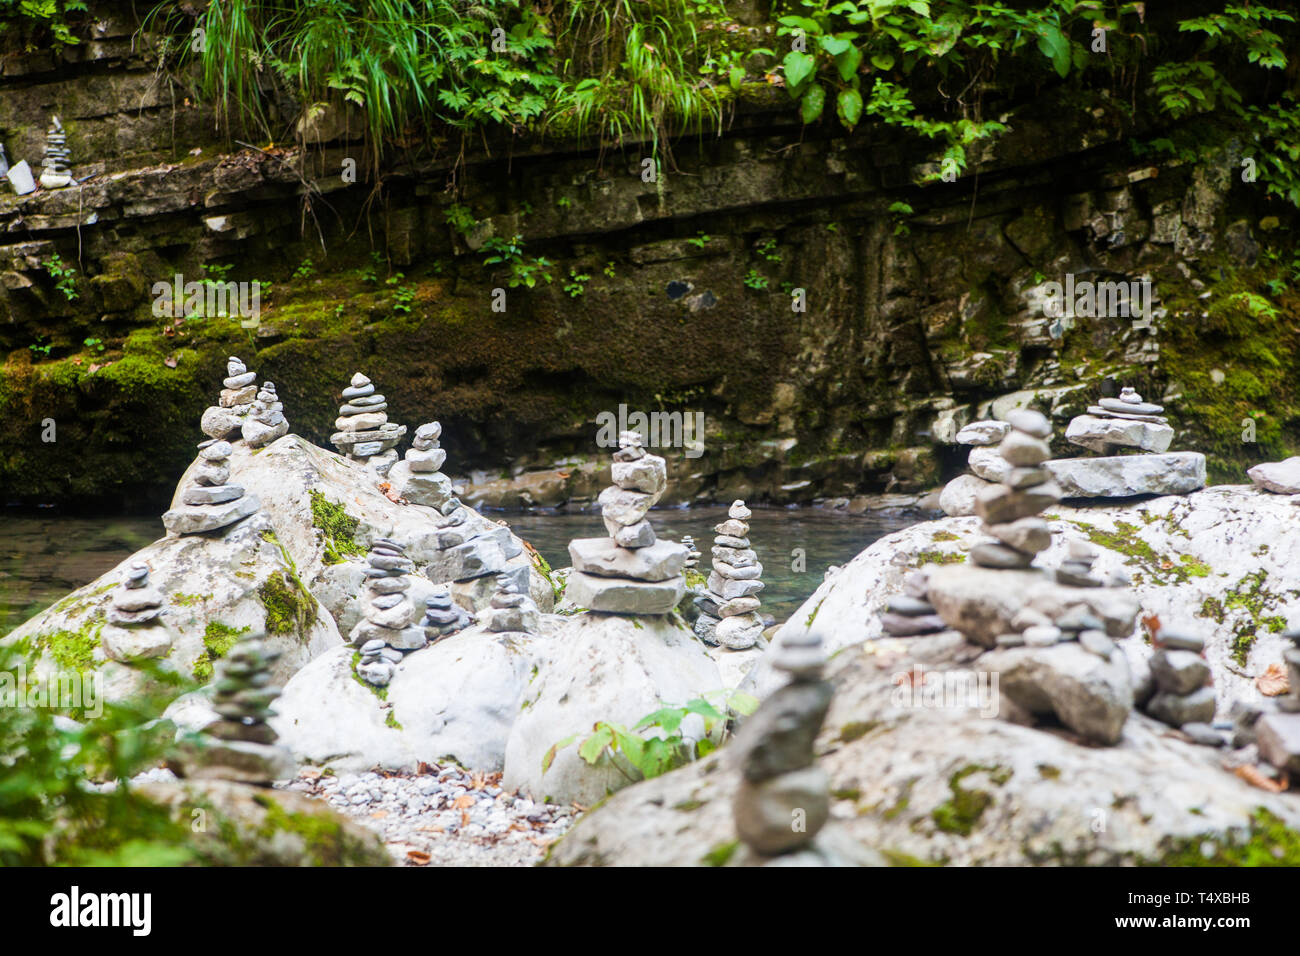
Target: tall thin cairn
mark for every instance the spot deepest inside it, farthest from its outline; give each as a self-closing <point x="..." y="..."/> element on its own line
<point x="240" y="745"/>
<point x="782" y="784"/>
<point x="729" y="609"/>
<point x="629" y="572"/>
<point x="55" y="168"/>
<point x="1010" y="508"/>
<point x="238" y="393"/>
<point x="418" y="477"/>
<point x="211" y="502"/>
<point x="266" y="422"/>
<point x="389" y="614"/>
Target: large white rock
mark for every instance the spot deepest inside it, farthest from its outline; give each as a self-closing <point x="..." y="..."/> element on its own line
<point x="958" y="496"/>
<point x="1188" y="555"/>
<point x="455" y="699"/>
<point x="1103" y="434"/>
<point x="935" y="783"/>
<point x="983" y="433"/>
<point x="213" y="586"/>
<point x="598" y="668"/>
<point x="1279" y="477"/>
<point x="1123" y="476"/>
<point x="988" y="463"/>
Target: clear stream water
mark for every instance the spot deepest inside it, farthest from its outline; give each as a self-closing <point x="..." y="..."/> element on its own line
<point x="44" y="556"/>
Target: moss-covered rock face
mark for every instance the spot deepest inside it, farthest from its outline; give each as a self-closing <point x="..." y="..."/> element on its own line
<point x="673" y="296"/>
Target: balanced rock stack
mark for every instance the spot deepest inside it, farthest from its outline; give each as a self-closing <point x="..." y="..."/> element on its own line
<point x="389" y="615"/>
<point x="466" y="551"/>
<point x="692" y="556"/>
<point x="210" y="502"/>
<point x="1116" y="424"/>
<point x="266" y="422"/>
<point x="1010" y="508"/>
<point x="378" y="663"/>
<point x="1076" y="569"/>
<point x="364" y="431"/>
<point x="133" y="631"/>
<point x="775" y="751"/>
<point x="958" y="496"/>
<point x="443" y="616"/>
<point x="418" y="477"/>
<point x="239" y="391"/>
<point x="1278" y="734"/>
<point x="629" y="572"/>
<point x="244" y="747"/>
<point x="1182" y="680"/>
<point x="1124" y="422"/>
<point x="512" y="609"/>
<point x="55" y="168"/>
<point x="729" y="608"/>
<point x="911" y="614"/>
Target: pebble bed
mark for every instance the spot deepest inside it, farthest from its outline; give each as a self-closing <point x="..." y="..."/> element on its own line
<point x="443" y="815"/>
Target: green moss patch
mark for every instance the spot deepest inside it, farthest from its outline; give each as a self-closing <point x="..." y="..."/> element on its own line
<point x="1248" y="595"/>
<point x="1159" y="569"/>
<point x="337" y="528"/>
<point x="961" y="813"/>
<point x="1267" y="842"/>
<point x="218" y="639"/>
<point x="72" y="650"/>
<point x="720" y="854"/>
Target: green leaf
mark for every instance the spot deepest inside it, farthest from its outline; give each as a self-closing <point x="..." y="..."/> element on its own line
<point x="742" y="703"/>
<point x="798" y="67"/>
<point x="1054" y="45"/>
<point x="835" y="45"/>
<point x="594" y="745"/>
<point x="883" y="61"/>
<point x="848" y="107"/>
<point x="848" y="62"/>
<point x="814" y="100"/>
<point x="736" y="76"/>
<point x="549" y="758"/>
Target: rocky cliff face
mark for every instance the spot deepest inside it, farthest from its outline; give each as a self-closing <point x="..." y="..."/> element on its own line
<point x="922" y="306"/>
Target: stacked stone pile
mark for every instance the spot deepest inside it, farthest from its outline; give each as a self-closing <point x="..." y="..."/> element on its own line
<point x="692" y="555"/>
<point x="630" y="572"/>
<point x="781" y="782"/>
<point x="240" y="745"/>
<point x="239" y="391"/>
<point x="911" y="614"/>
<point x="512" y="609"/>
<point x="1116" y="424"/>
<point x="1183" y="691"/>
<point x="418" y="478"/>
<point x="265" y="422"/>
<point x="133" y="631"/>
<point x="364" y="431"/>
<point x="378" y="663"/>
<point x="466" y="552"/>
<point x="729" y="607"/>
<point x="56" y="172"/>
<point x="389" y="615"/>
<point x="1010" y="508"/>
<point x="443" y="616"/>
<point x="210" y="502"/>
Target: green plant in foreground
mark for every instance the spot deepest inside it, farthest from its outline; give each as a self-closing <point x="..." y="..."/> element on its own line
<point x="510" y="252"/>
<point x="664" y="748"/>
<point x="94" y="344"/>
<point x="577" y="284"/>
<point x="755" y="280"/>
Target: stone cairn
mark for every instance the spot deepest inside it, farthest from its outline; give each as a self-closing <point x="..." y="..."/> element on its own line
<point x="630" y="572"/>
<point x="238" y="392"/>
<point x="242" y="745"/>
<point x="418" y="477"/>
<point x="468" y="552"/>
<point x="1010" y="509"/>
<point x="692" y="555"/>
<point x="55" y="168"/>
<point x="210" y="502"/>
<point x="958" y="496"/>
<point x="512" y="609"/>
<point x="364" y="431"/>
<point x="443" y="616"/>
<point x="133" y="631"/>
<point x="388" y="623"/>
<point x="775" y="751"/>
<point x="729" y="607"/>
<point x="1184" y="697"/>
<point x="911" y="614"/>
<point x="266" y="422"/>
<point x="1125" y="422"/>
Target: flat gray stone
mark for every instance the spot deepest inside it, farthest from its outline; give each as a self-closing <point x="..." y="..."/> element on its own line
<point x="648" y="474"/>
<point x="601" y="556"/>
<point x="196" y="519"/>
<point x="988" y="554"/>
<point x="998" y="504"/>
<point x="1279" y="477"/>
<point x="1176" y="710"/>
<point x="211" y="494"/>
<point x="1030" y="422"/>
<point x="1179" y="672"/>
<point x="1104" y="435"/>
<point x="1024" y="451"/>
<point x="1278" y="738"/>
<point x="621" y="596"/>
<point x="983" y="433"/>
<point x="1122" y="476"/>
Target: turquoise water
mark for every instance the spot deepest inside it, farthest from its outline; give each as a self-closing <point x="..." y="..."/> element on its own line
<point x="43" y="557"/>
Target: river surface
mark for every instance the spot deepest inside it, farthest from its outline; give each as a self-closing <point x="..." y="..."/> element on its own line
<point x="44" y="556"/>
